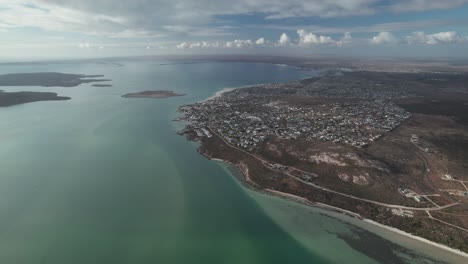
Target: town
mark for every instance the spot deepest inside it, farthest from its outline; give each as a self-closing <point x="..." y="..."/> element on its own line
<point x="383" y="145"/>
<point x="247" y="116"/>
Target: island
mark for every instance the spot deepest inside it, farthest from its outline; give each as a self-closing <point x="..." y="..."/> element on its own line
<point x="14" y="98"/>
<point x="44" y="79"/>
<point x="48" y="79"/>
<point x="152" y="94"/>
<point x="386" y="147"/>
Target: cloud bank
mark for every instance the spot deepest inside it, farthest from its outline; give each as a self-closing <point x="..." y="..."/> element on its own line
<point x="156" y="18"/>
<point x="309" y="39"/>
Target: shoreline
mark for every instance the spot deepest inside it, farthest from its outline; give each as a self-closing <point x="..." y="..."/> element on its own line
<point x="219" y="94"/>
<point x="330" y="208"/>
<point x="229" y="89"/>
<point x="416" y="238"/>
<point x="248" y="183"/>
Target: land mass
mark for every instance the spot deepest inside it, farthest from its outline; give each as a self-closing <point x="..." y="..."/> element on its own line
<point x="152" y="94"/>
<point x="48" y="79"/>
<point x="14" y="98"/>
<point x="101" y="85"/>
<point x="387" y="146"/>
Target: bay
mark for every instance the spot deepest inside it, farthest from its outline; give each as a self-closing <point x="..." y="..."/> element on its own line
<point x="105" y="179"/>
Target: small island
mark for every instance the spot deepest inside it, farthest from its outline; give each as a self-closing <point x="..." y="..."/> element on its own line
<point x="152" y="94"/>
<point x="15" y="98"/>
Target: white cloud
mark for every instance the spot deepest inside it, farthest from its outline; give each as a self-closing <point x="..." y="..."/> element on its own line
<point x="33" y="13"/>
<point x="370" y="28"/>
<point x="156" y="18"/>
<point x="308" y="38"/>
<point x="243" y="43"/>
<point x="424" y="5"/>
<point x="238" y="43"/>
<point x="384" y="38"/>
<point x="153" y="18"/>
<point x="437" y="38"/>
<point x="260" y="42"/>
<point x="84" y="45"/>
<point x="183" y="45"/>
<point x="284" y="40"/>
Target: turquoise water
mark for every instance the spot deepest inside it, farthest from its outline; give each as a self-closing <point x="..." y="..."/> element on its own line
<point x="103" y="179"/>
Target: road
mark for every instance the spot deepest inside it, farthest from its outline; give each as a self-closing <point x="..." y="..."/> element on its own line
<point x="443" y="222"/>
<point x="268" y="165"/>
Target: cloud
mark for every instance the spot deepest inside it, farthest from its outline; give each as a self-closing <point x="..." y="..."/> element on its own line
<point x="84" y="45"/>
<point x="448" y="37"/>
<point x="260" y="42"/>
<point x="198" y="18"/>
<point x="183" y="45"/>
<point x="437" y="38"/>
<point x="308" y="38"/>
<point x="305" y="39"/>
<point x="238" y="43"/>
<point x="284" y="40"/>
<point x="347" y="39"/>
<point x="371" y="28"/>
<point x="36" y="14"/>
<point x="280" y="9"/>
<point x="385" y="38"/>
<point x="425" y="5"/>
<point x="154" y="18"/>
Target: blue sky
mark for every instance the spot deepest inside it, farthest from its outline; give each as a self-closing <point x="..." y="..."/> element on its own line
<point x="91" y="28"/>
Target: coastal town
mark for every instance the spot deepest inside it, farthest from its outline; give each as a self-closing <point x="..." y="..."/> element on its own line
<point x="245" y="117"/>
<point x="370" y="143"/>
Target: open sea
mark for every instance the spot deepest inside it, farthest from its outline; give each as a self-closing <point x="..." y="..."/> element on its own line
<point x="104" y="179"/>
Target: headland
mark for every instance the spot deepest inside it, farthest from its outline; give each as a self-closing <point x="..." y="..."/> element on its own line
<point x="152" y="94"/>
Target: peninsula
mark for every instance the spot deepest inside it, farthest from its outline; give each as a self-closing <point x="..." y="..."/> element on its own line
<point x="44" y="79"/>
<point x="14" y="98"/>
<point x="388" y="146"/>
<point x="48" y="79"/>
<point x="152" y="94"/>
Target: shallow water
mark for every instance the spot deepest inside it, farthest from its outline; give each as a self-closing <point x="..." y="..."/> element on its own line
<point x="104" y="179"/>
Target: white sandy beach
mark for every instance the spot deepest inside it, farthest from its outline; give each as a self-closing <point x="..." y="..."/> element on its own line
<point x="219" y="93"/>
<point x="393" y="230"/>
<point x="417" y="238"/>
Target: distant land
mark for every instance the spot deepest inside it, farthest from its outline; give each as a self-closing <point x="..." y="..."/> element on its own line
<point x="101" y="85"/>
<point x="152" y="94"/>
<point x="326" y="62"/>
<point x="48" y="79"/>
<point x="45" y="79"/>
<point x="14" y="98"/>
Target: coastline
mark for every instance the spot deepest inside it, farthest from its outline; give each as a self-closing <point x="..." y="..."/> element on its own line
<point x="248" y="183"/>
<point x="219" y="93"/>
<point x="416" y="238"/>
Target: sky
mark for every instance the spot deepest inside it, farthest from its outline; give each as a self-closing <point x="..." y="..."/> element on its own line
<point x="102" y="28"/>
